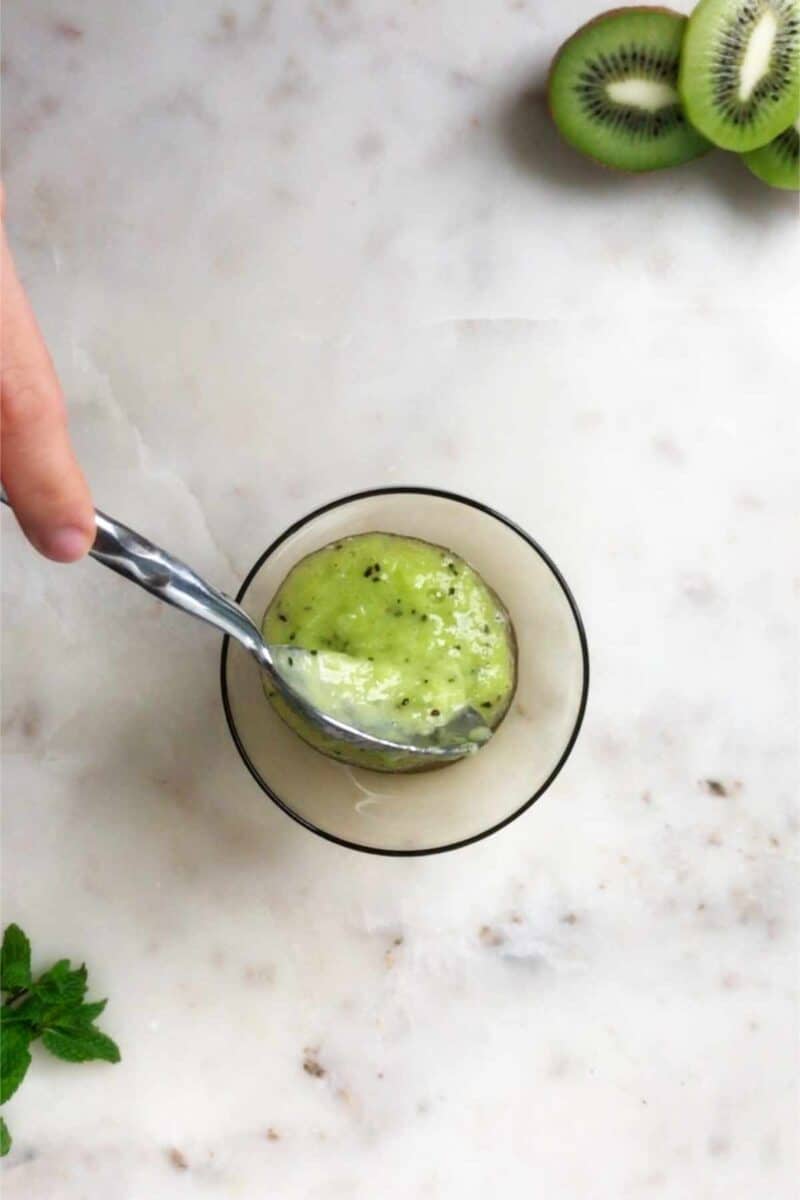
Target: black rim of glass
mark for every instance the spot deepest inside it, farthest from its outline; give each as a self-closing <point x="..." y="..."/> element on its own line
<point x="534" y="545"/>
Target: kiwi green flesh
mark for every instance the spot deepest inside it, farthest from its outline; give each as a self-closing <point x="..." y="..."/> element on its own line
<point x="778" y="163"/>
<point x="740" y="70"/>
<point x="613" y="91"/>
<point x="411" y="629"/>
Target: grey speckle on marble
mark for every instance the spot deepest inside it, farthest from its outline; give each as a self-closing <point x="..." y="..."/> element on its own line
<point x="286" y="250"/>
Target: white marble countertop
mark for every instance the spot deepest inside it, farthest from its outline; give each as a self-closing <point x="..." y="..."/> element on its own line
<point x="283" y="251"/>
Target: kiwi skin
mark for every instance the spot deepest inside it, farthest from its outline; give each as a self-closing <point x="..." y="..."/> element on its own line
<point x="601" y="17"/>
<point x="773" y="167"/>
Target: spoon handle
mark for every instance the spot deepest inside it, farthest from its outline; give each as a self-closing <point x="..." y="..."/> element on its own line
<point x="129" y="554"/>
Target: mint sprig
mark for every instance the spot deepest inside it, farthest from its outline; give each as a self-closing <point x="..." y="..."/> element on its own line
<point x="51" y="1008"/>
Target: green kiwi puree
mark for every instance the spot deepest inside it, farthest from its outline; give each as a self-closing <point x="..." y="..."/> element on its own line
<point x="402" y="630"/>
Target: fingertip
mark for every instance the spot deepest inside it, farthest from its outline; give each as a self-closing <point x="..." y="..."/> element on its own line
<point x="63" y="528"/>
<point x="66" y="544"/>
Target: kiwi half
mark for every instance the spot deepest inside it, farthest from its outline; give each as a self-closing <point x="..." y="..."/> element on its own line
<point x="613" y="91"/>
<point x="740" y="70"/>
<point x="778" y="163"/>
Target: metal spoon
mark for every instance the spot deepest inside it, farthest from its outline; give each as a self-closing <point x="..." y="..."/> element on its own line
<point x="131" y="555"/>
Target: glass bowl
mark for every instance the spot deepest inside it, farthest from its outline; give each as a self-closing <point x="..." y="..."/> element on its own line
<point x="438" y="810"/>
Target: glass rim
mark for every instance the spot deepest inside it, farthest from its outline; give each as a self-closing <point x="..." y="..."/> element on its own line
<point x="438" y="493"/>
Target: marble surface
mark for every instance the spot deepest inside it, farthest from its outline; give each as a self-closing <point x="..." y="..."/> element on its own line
<point x="282" y="251"/>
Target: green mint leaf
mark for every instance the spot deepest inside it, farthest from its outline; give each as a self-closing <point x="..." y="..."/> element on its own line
<point x="61" y="986"/>
<point x="33" y="1012"/>
<point x="5" y="1139"/>
<point x="15" y="1059"/>
<point x="15" y="960"/>
<point x="29" y="1012"/>
<point x="80" y="1017"/>
<point x="81" y="1045"/>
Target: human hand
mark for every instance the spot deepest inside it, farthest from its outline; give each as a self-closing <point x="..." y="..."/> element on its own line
<point x="45" y="486"/>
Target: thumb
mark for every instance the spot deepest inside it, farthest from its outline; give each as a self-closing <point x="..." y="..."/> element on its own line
<point x="45" y="485"/>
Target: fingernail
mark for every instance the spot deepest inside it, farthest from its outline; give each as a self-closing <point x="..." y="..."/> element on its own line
<point x="67" y="544"/>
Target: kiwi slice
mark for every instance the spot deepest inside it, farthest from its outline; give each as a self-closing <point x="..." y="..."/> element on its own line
<point x="613" y="91"/>
<point x="778" y="163"/>
<point x="740" y="70"/>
